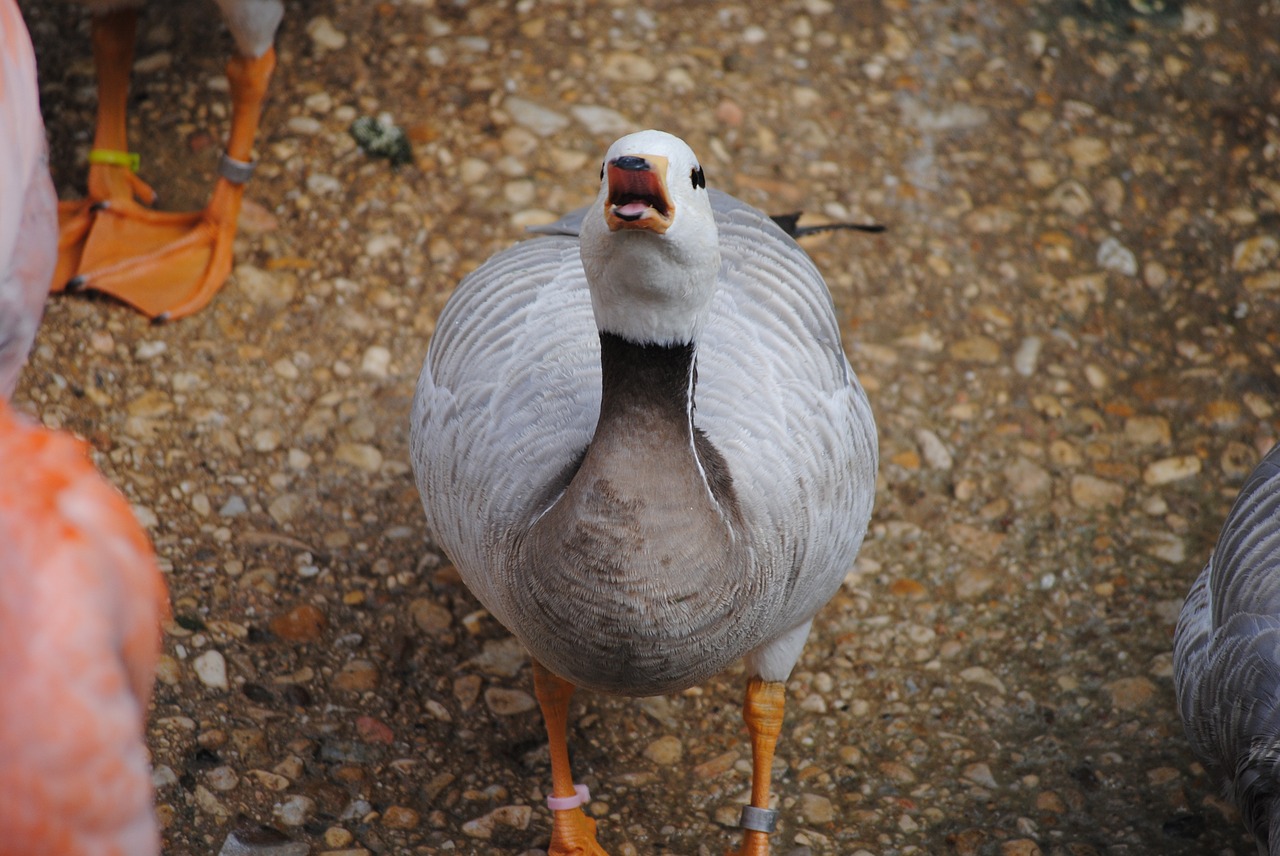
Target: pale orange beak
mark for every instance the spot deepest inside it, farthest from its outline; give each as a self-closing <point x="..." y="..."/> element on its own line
<point x="638" y="194"/>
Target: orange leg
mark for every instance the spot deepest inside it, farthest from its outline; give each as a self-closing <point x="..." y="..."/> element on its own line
<point x="763" y="714"/>
<point x="574" y="834"/>
<point x="166" y="265"/>
<point x="113" y="36"/>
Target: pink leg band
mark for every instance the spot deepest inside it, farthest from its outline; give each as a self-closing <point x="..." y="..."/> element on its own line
<point x="581" y="796"/>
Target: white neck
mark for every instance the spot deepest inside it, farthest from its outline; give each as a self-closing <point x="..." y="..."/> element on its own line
<point x="651" y="288"/>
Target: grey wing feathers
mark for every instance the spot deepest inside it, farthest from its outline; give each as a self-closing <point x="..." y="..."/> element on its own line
<point x="1227" y="650"/>
<point x="502" y="404"/>
<point x="772" y="300"/>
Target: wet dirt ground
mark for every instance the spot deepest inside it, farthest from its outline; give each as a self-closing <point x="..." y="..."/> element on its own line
<point x="1068" y="333"/>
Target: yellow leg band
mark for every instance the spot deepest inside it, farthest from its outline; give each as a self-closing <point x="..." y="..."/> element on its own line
<point x="114" y="158"/>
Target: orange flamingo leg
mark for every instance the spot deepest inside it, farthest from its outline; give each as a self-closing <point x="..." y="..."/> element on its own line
<point x="574" y="834"/>
<point x="763" y="714"/>
<point x="166" y="265"/>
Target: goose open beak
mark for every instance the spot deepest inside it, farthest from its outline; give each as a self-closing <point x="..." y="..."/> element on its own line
<point x="638" y="196"/>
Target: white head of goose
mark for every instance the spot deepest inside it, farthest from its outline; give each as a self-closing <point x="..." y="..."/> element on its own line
<point x="642" y="446"/>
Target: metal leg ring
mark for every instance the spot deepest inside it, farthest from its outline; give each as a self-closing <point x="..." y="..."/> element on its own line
<point x="235" y="171"/>
<point x="760" y="819"/>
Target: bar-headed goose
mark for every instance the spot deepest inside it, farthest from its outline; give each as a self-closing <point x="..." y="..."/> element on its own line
<point x="1226" y="657"/>
<point x="641" y="444"/>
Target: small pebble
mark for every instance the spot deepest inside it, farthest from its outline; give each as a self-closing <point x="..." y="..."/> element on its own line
<point x="372" y="730"/>
<point x="233" y="507"/>
<point x="305" y="125"/>
<point x="305" y="623"/>
<point x="262" y="842"/>
<point x="356" y="676"/>
<point x="376" y="361"/>
<point x="270" y="781"/>
<point x="222" y="778"/>
<point x="268" y="290"/>
<point x="980" y="774"/>
<point x="1027" y="357"/>
<point x="1086" y="152"/>
<point x="507" y="702"/>
<point x="1254" y="254"/>
<point x="399" y="817"/>
<point x="362" y="456"/>
<point x="286" y="507"/>
<point x="501" y="658"/>
<point x="1020" y="847"/>
<point x="932" y="449"/>
<point x="1130" y="693"/>
<point x="1167" y="470"/>
<point x="628" y="67"/>
<point x="431" y="616"/>
<point x="541" y="120"/>
<point x="665" y="751"/>
<point x="981" y="675"/>
<point x="977" y="349"/>
<point x="716" y="766"/>
<point x="1148" y="431"/>
<point x="1091" y="492"/>
<point x="210" y="804"/>
<point x="603" y="121"/>
<point x="324" y="35"/>
<point x="816" y="809"/>
<point x="1115" y="256"/>
<point x="266" y="440"/>
<point x="294" y="811"/>
<point x="211" y="668"/>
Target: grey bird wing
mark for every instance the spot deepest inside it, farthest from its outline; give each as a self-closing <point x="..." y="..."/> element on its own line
<point x="1227" y="649"/>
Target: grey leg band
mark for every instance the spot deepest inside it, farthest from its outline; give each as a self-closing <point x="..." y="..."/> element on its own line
<point x="760" y="819"/>
<point x="234" y="171"/>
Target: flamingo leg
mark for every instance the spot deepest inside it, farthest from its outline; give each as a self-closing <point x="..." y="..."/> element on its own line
<point x="573" y="833"/>
<point x="762" y="712"/>
<point x="166" y="265"/>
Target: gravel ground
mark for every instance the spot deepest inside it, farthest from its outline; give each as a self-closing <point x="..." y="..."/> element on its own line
<point x="1069" y="334"/>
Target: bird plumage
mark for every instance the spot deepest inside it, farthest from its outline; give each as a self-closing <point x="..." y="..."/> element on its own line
<point x="642" y="445"/>
<point x="28" y="204"/>
<point x="81" y="597"/>
<point x="80" y="604"/>
<point x="510" y="393"/>
<point x="1227" y="656"/>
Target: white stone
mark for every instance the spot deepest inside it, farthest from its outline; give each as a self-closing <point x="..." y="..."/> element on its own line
<point x="602" y="120"/>
<point x="1173" y="469"/>
<point x="376" y="361"/>
<point x="1026" y="358"/>
<point x="324" y="35"/>
<point x="933" y="451"/>
<point x="1115" y="256"/>
<point x="1256" y="253"/>
<point x="543" y="121"/>
<point x="294" y="811"/>
<point x="360" y="455"/>
<point x="211" y="669"/>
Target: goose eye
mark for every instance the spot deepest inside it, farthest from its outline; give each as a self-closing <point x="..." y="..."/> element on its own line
<point x="698" y="179"/>
<point x="602" y="171"/>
